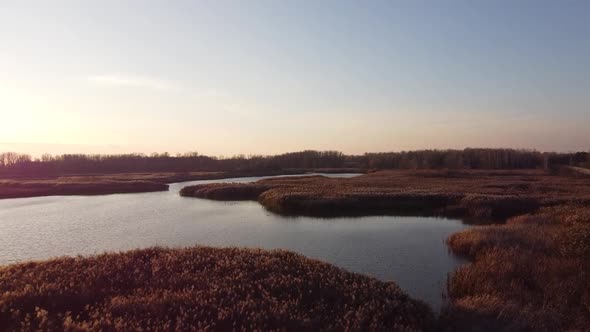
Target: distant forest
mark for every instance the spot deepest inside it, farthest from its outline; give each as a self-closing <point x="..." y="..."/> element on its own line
<point x="15" y="164"/>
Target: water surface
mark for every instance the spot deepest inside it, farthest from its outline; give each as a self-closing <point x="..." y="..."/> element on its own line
<point x="408" y="250"/>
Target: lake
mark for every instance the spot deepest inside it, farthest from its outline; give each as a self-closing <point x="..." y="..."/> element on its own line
<point x="408" y="250"/>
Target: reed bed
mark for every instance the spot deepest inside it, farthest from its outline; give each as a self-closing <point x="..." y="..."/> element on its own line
<point x="201" y="288"/>
<point x="473" y="195"/>
<point x="19" y="189"/>
<point x="531" y="274"/>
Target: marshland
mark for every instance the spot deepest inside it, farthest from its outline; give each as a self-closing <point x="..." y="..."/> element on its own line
<point x="494" y="248"/>
<point x="329" y="165"/>
<point x="529" y="270"/>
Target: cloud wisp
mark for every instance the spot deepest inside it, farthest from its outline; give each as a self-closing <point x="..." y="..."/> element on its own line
<point x="133" y="82"/>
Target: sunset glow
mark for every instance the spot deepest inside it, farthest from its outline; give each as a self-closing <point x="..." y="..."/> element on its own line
<point x="264" y="77"/>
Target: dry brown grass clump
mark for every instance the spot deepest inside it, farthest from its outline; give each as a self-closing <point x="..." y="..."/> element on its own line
<point x="204" y="289"/>
<point x="224" y="192"/>
<point x="532" y="274"/>
<point x="478" y="195"/>
<point x="18" y="189"/>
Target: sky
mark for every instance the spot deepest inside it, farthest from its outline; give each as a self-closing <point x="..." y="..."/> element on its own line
<point x="265" y="77"/>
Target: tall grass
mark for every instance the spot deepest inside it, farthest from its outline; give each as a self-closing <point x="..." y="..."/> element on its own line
<point x="16" y="189"/>
<point x="474" y="195"/>
<point x="201" y="289"/>
<point x="531" y="274"/>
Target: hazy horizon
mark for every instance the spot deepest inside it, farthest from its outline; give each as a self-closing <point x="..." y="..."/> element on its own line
<point x="38" y="150"/>
<point x="265" y="77"/>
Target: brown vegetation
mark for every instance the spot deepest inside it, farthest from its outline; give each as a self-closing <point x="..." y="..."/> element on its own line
<point x="529" y="274"/>
<point x="201" y="289"/>
<point x="474" y="195"/>
<point x="113" y="183"/>
<point x="532" y="274"/>
<point x="97" y="184"/>
<point x="32" y="188"/>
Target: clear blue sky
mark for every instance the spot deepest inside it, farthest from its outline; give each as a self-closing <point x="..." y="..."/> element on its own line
<point x="227" y="77"/>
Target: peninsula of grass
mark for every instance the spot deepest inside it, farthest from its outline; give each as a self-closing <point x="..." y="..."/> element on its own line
<point x="530" y="270"/>
<point x="201" y="288"/>
<point x="473" y="195"/>
<point x="33" y="188"/>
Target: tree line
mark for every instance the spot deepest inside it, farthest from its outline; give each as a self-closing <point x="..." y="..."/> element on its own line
<point x="16" y="164"/>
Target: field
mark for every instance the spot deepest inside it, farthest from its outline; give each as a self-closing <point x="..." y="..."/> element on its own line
<point x="529" y="269"/>
<point x="204" y="289"/>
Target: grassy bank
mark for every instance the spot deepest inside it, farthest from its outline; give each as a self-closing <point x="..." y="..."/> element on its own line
<point x="473" y="195"/>
<point x="32" y="188"/>
<point x="529" y="272"/>
<point x="203" y="288"/>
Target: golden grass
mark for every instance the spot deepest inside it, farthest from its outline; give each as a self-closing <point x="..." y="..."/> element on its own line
<point x="204" y="289"/>
<point x="531" y="274"/>
<point x="477" y="195"/>
<point x="16" y="189"/>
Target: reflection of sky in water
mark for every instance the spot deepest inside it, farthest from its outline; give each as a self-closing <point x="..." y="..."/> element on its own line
<point x="408" y="250"/>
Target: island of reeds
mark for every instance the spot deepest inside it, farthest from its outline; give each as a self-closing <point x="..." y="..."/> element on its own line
<point x="201" y="288"/>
